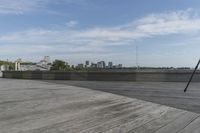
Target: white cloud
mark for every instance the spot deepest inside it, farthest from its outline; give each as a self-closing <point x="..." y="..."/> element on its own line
<point x="169" y="23"/>
<point x="17" y="7"/>
<point x="180" y="22"/>
<point x="98" y="39"/>
<point x="71" y="24"/>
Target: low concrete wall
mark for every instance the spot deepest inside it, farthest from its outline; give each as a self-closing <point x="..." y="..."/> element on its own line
<point x="155" y="76"/>
<point x="1" y="74"/>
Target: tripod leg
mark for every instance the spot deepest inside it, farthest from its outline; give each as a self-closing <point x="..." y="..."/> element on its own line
<point x="192" y="75"/>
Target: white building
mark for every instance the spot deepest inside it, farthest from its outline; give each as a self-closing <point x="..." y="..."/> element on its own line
<point x="17" y="64"/>
<point x="43" y="65"/>
<point x="47" y="59"/>
<point x="4" y="68"/>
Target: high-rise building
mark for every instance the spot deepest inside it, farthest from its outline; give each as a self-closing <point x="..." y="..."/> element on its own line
<point x="110" y="65"/>
<point x="87" y="64"/>
<point x="104" y="64"/>
<point x="101" y="64"/>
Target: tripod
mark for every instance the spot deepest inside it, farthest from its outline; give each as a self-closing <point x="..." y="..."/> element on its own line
<point x="192" y="76"/>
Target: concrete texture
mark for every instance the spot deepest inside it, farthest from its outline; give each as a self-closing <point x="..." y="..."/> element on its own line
<point x="166" y="93"/>
<point x="40" y="107"/>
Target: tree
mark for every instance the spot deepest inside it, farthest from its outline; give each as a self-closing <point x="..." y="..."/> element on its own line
<point x="10" y="65"/>
<point x="59" y="65"/>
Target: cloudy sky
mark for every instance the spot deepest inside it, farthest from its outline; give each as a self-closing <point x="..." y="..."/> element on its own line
<point x="167" y="33"/>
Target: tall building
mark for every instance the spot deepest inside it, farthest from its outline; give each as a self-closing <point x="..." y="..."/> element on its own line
<point x="104" y="64"/>
<point x="17" y="65"/>
<point x="101" y="64"/>
<point x="110" y="65"/>
<point x="87" y="64"/>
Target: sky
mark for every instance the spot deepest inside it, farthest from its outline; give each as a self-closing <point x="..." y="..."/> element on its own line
<point x="166" y="33"/>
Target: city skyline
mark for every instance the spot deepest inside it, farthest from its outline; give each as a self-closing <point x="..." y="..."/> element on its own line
<point x="165" y="32"/>
<point x="87" y="64"/>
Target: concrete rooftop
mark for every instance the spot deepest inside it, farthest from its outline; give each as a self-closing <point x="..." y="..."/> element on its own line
<point x="41" y="107"/>
<point x="165" y="93"/>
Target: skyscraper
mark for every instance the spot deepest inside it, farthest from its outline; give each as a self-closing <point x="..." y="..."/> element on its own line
<point x="110" y="65"/>
<point x="87" y="64"/>
<point x="101" y="64"/>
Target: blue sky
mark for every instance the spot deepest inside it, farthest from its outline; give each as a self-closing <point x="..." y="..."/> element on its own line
<point x="167" y="33"/>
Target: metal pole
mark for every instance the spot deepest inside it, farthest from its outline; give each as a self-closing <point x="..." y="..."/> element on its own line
<point x="136" y="51"/>
<point x="192" y="75"/>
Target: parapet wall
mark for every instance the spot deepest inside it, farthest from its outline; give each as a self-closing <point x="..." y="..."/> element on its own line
<point x="155" y="76"/>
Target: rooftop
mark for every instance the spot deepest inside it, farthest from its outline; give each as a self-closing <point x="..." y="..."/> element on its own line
<point x="28" y="106"/>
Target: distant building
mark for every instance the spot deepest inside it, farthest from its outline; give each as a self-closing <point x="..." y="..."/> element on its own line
<point x="43" y="65"/>
<point x="87" y="64"/>
<point x="110" y="65"/>
<point x="28" y="66"/>
<point x="17" y="64"/>
<point x="47" y="59"/>
<point x="93" y="65"/>
<point x="4" y="68"/>
<point x="80" y="66"/>
<point x="101" y="64"/>
<point x="119" y="66"/>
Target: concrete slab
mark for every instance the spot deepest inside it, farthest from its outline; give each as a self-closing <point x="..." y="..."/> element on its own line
<point x="40" y="107"/>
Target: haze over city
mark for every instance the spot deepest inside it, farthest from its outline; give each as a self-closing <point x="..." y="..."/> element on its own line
<point x="165" y="32"/>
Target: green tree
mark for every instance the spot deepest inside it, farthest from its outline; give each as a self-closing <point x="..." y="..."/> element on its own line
<point x="59" y="65"/>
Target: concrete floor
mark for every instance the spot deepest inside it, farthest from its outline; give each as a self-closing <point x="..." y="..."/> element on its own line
<point x="166" y="93"/>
